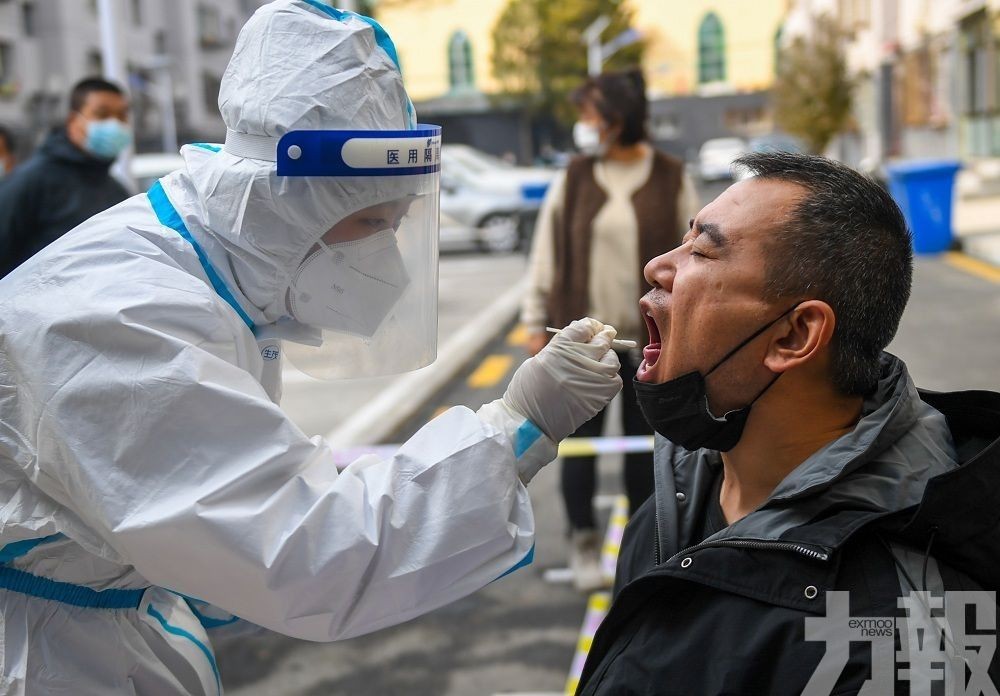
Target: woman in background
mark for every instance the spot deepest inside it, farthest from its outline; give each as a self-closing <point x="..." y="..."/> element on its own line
<point x="619" y="203"/>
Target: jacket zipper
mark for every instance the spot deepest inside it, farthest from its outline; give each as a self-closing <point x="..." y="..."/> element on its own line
<point x="656" y="536"/>
<point x="749" y="544"/>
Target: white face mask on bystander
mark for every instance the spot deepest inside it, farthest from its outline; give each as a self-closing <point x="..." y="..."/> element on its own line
<point x="587" y="138"/>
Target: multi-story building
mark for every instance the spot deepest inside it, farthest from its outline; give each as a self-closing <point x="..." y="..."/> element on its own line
<point x="927" y="77"/>
<point x="708" y="64"/>
<point x="48" y="45"/>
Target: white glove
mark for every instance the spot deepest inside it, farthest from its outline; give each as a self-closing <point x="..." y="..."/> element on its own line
<point x="569" y="381"/>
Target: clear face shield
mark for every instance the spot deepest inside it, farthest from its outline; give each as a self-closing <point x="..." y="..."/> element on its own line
<point x="369" y="284"/>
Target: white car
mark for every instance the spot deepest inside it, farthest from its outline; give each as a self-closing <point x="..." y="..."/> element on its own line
<point x="150" y="166"/>
<point x="486" y="202"/>
<point x="715" y="158"/>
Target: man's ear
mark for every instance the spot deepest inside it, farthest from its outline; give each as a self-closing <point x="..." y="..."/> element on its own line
<point x="801" y="337"/>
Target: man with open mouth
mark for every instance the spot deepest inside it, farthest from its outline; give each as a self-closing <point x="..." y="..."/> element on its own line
<point x="802" y="480"/>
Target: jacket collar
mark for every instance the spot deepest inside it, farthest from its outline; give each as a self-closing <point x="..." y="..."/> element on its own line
<point x="881" y="467"/>
<point x="57" y="146"/>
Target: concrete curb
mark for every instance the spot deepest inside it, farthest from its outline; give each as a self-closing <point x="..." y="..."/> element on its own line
<point x="984" y="246"/>
<point x="400" y="401"/>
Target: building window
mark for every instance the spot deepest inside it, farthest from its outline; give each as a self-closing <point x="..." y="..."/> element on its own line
<point x="777" y="49"/>
<point x="210" y="85"/>
<point x="711" y="50"/>
<point x="209" y="26"/>
<point x="160" y="42"/>
<point x="28" y="19"/>
<point x="6" y="64"/>
<point x="460" y="75"/>
<point x="979" y="48"/>
<point x="95" y="63"/>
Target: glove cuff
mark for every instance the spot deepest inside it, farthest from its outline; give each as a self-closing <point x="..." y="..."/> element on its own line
<point x="532" y="448"/>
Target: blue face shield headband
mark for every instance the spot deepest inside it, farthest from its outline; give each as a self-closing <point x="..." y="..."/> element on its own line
<point x="360" y="152"/>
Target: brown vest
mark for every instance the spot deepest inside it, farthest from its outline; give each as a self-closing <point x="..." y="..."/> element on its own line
<point x="656" y="212"/>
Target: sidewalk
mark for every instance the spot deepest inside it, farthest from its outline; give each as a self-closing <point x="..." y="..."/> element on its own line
<point x="976" y="222"/>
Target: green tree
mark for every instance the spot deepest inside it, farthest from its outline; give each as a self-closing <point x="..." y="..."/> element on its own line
<point x="812" y="93"/>
<point x="538" y="52"/>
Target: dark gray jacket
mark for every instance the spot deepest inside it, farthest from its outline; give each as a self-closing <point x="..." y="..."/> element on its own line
<point x="908" y="499"/>
<point x="50" y="194"/>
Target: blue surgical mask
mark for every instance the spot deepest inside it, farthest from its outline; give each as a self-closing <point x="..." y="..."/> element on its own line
<point x="107" y="138"/>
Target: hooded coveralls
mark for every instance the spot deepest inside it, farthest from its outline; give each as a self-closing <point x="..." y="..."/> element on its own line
<point x="144" y="461"/>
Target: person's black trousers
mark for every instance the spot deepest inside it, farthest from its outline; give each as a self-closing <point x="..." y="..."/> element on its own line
<point x="579" y="474"/>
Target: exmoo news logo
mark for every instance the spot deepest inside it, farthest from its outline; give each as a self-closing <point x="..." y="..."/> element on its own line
<point x="945" y="645"/>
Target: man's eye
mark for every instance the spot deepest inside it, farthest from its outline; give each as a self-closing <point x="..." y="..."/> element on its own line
<point x="695" y="252"/>
<point x="376" y="223"/>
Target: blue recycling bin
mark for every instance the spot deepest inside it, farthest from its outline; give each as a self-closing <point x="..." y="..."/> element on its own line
<point x="924" y="190"/>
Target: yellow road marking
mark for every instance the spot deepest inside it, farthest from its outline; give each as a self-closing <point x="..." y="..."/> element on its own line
<point x="597" y="608"/>
<point x="518" y="336"/>
<point x="490" y="371"/>
<point x="976" y="267"/>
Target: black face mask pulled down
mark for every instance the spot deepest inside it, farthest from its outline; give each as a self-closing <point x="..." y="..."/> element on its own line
<point x="678" y="409"/>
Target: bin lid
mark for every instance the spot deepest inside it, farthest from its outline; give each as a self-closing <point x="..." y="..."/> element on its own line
<point x="906" y="168"/>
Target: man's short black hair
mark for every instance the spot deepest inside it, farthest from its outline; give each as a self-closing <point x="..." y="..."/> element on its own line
<point x="845" y="243"/>
<point x="620" y="98"/>
<point x="78" y="96"/>
<point x="8" y="139"/>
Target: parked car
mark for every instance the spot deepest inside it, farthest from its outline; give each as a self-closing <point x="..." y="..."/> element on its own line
<point x="147" y="167"/>
<point x="773" y="142"/>
<point x="776" y="142"/>
<point x="715" y="158"/>
<point x="486" y="202"/>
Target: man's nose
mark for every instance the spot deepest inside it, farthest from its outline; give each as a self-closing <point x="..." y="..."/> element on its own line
<point x="660" y="270"/>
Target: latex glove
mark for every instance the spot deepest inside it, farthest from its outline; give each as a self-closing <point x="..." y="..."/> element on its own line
<point x="573" y="378"/>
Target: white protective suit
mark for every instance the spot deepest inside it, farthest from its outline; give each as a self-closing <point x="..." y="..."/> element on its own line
<point x="142" y="452"/>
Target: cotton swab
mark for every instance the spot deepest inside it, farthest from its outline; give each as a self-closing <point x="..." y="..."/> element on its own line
<point x="621" y="342"/>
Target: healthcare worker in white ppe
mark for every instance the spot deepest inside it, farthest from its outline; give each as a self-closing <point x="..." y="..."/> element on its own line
<point x="150" y="486"/>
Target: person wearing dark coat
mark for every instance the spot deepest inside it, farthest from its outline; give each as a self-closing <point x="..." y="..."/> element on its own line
<point x="837" y="530"/>
<point x="67" y="181"/>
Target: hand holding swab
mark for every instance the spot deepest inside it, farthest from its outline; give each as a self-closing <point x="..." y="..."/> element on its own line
<point x="620" y="342"/>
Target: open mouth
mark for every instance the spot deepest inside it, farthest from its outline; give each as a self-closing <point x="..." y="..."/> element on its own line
<point x="651" y="353"/>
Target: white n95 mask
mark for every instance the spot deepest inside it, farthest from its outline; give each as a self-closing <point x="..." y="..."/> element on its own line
<point x="350" y="286"/>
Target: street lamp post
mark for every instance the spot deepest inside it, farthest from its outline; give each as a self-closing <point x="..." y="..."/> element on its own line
<point x="598" y="53"/>
<point x="592" y="38"/>
<point x="113" y="61"/>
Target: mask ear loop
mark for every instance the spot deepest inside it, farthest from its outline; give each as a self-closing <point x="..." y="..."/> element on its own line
<point x="754" y="335"/>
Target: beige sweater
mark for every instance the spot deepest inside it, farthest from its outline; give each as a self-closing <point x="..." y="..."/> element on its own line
<point x="614" y="248"/>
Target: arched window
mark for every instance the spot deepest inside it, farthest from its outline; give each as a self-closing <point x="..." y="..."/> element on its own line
<point x="460" y="75"/>
<point x="777" y="49"/>
<point x="711" y="50"/>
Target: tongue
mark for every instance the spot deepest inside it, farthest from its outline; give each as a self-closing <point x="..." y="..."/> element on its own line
<point x="651" y="353"/>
